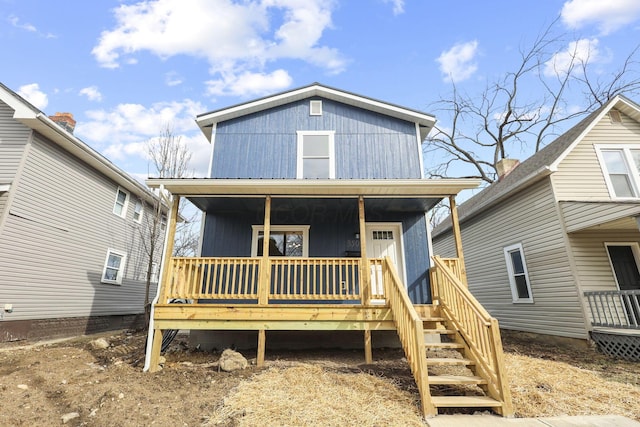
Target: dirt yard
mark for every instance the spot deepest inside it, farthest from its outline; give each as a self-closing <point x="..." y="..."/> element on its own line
<point x="74" y="382"/>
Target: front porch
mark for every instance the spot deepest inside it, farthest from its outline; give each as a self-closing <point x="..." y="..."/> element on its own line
<point x="358" y="293"/>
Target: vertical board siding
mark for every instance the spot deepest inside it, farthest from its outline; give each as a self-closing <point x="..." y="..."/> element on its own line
<point x="367" y="144"/>
<point x="557" y="306"/>
<point x="592" y="262"/>
<point x="55" y="241"/>
<point x="579" y="176"/>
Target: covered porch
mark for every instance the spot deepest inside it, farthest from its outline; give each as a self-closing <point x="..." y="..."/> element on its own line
<point x="353" y="286"/>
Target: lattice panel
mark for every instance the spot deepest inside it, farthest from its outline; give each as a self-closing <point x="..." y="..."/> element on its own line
<point x="623" y="346"/>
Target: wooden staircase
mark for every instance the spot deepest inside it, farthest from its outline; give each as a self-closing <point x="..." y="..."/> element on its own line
<point x="452" y="377"/>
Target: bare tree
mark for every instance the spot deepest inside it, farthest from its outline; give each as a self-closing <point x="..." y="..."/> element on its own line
<point x="170" y="158"/>
<point x="524" y="109"/>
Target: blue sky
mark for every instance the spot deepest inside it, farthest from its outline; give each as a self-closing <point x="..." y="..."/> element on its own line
<point x="125" y="68"/>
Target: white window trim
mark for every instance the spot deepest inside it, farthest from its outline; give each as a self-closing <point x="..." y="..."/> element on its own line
<point x="318" y="104"/>
<point x="154" y="272"/>
<point x="635" y="248"/>
<point x="139" y="220"/>
<point x="303" y="228"/>
<point x="332" y="157"/>
<point x="123" y="214"/>
<point x="635" y="177"/>
<point x="123" y="265"/>
<point x="512" y="282"/>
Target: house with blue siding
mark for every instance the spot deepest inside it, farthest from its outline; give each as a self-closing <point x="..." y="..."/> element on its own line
<point x="314" y="224"/>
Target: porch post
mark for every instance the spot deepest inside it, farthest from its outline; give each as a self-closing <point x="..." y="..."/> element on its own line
<point x="457" y="237"/>
<point x="365" y="273"/>
<point x="264" y="281"/>
<point x="168" y="252"/>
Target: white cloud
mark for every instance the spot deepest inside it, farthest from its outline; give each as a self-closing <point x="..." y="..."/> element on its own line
<point x="249" y="84"/>
<point x="234" y="37"/>
<point x="398" y="6"/>
<point x="34" y="95"/>
<point x="15" y="21"/>
<point x="609" y="16"/>
<point x="577" y="52"/>
<point x="457" y="63"/>
<point x="172" y="79"/>
<point x="92" y="93"/>
<point x="121" y="132"/>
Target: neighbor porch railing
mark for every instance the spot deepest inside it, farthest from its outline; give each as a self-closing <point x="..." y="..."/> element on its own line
<point x="615" y="309"/>
<point x="291" y="278"/>
<point x="477" y="328"/>
<point x="410" y="331"/>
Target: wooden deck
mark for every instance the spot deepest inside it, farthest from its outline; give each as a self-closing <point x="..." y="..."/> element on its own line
<point x="341" y="294"/>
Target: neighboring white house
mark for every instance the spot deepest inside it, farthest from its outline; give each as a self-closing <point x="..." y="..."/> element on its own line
<point x="72" y="226"/>
<point x="553" y="246"/>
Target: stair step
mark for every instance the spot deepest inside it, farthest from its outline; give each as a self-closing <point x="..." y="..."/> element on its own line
<point x="441" y="361"/>
<point x="465" y="402"/>
<point x="455" y="379"/>
<point x="440" y="331"/>
<point x="433" y="319"/>
<point x="444" y="345"/>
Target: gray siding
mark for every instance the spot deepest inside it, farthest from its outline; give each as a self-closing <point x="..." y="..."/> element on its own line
<point x="579" y="176"/>
<point x="13" y="140"/>
<point x="54" y="244"/>
<point x="529" y="218"/>
<point x="367" y="144"/>
<point x="591" y="259"/>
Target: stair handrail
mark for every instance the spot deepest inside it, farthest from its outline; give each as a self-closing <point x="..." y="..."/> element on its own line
<point x="409" y="327"/>
<point x="478" y="329"/>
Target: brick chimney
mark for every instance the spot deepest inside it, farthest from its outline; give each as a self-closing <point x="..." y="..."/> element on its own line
<point x="505" y="166"/>
<point x="64" y="120"/>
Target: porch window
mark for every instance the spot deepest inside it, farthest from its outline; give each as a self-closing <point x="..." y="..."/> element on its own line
<point x="620" y="167"/>
<point x="120" y="205"/>
<point x="518" y="274"/>
<point x="137" y="211"/>
<point x="315" y="155"/>
<point x="114" y="267"/>
<point x="284" y="240"/>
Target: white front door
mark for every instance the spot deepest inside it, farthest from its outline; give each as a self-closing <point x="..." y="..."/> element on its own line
<point x="384" y="240"/>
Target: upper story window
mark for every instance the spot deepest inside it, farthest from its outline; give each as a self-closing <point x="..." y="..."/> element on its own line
<point x="518" y="274"/>
<point x="620" y="167"/>
<point x="315" y="108"/>
<point x="163" y="222"/>
<point x="316" y="155"/>
<point x="138" y="211"/>
<point x="120" y="205"/>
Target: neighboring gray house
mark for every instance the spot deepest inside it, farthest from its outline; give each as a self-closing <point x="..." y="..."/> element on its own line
<point x="71" y="230"/>
<point x="553" y="246"/>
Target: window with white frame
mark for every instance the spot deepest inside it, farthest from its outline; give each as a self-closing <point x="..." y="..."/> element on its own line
<point x="154" y="272"/>
<point x="163" y="222"/>
<point x="114" y="267"/>
<point x="518" y="275"/>
<point x="138" y="211"/>
<point x="620" y="166"/>
<point x="315" y="108"/>
<point x="284" y="240"/>
<point x="120" y="205"/>
<point x="316" y="155"/>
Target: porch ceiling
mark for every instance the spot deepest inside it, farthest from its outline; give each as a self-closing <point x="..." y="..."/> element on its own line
<point x="579" y="216"/>
<point x="397" y="188"/>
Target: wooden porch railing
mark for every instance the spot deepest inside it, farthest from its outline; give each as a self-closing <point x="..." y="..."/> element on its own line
<point x="411" y="333"/>
<point x="615" y="309"/>
<point x="477" y="328"/>
<point x="290" y="278"/>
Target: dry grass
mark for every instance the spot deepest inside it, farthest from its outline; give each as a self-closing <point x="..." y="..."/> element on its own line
<point x="305" y="395"/>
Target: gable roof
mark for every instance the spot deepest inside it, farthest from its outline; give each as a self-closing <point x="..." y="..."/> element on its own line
<point x="207" y="121"/>
<point x="538" y="166"/>
<point x="37" y="120"/>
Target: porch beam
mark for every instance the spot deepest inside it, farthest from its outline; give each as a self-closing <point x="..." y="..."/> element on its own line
<point x="365" y="274"/>
<point x="277" y="325"/>
<point x="457" y="237"/>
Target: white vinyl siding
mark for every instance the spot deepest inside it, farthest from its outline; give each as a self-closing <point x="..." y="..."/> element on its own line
<point x="52" y="259"/>
<point x="518" y="275"/>
<point x="316" y="155"/>
<point x="579" y="175"/>
<point x="529" y="217"/>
